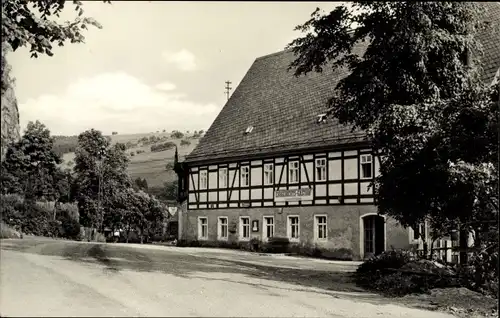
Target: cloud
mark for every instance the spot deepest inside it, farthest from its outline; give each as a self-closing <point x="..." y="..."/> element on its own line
<point x="117" y="102"/>
<point x="183" y="60"/>
<point x="166" y="86"/>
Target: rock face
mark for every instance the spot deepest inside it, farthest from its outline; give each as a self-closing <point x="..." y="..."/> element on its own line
<point x="9" y="111"/>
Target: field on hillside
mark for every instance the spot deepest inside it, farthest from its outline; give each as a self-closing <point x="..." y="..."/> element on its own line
<point x="148" y="165"/>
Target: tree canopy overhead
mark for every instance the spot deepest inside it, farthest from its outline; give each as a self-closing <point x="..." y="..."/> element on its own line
<point x="414" y="87"/>
<point x="34" y="24"/>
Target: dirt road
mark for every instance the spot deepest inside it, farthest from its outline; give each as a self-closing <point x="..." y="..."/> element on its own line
<point x="58" y="278"/>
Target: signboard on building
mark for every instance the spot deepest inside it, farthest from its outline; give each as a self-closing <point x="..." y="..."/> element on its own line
<point x="293" y="195"/>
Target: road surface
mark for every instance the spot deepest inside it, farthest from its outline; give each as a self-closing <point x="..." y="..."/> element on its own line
<point x="59" y="278"/>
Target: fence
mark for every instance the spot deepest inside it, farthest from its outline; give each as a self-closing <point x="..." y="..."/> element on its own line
<point x="445" y="250"/>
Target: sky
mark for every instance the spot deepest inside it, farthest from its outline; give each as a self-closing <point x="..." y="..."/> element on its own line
<point x="154" y="65"/>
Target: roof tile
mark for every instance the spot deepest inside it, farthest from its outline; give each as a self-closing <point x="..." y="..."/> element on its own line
<point x="283" y="109"/>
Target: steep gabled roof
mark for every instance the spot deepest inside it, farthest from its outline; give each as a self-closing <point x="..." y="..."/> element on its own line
<point x="283" y="109"/>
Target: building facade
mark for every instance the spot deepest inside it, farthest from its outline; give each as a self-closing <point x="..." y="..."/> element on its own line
<point x="271" y="165"/>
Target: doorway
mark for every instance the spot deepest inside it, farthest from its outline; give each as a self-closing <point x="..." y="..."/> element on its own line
<point x="373" y="235"/>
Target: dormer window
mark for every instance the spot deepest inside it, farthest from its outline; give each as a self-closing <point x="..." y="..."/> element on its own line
<point x="321" y="118"/>
<point x="249" y="130"/>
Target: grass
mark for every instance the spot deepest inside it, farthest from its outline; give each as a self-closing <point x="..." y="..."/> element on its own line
<point x="148" y="165"/>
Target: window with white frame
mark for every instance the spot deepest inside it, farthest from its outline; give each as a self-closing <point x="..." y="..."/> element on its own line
<point x="418" y="231"/>
<point x="293" y="172"/>
<point x="293" y="228"/>
<point x="320" y="227"/>
<point x="222" y="228"/>
<point x="366" y="166"/>
<point x="268" y="227"/>
<point x="321" y="169"/>
<point x="244" y="176"/>
<point x="202" y="228"/>
<point x="244" y="228"/>
<point x="268" y="174"/>
<point x="203" y="179"/>
<point x="222" y="177"/>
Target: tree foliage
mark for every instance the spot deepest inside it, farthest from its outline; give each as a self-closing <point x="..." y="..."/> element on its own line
<point x="31" y="167"/>
<point x="100" y="174"/>
<point x="34" y="24"/>
<point x="414" y="87"/>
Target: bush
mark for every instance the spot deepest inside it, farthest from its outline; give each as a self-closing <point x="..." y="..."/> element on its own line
<point x="69" y="210"/>
<point x="6" y="232"/>
<point x="37" y="219"/>
<point x="373" y="269"/>
<point x="397" y="273"/>
<point x="54" y="229"/>
<point x="185" y="142"/>
<point x="70" y="228"/>
<point x="163" y="146"/>
<point x="177" y="134"/>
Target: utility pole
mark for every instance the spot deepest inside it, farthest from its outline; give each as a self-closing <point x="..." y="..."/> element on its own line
<point x="228" y="88"/>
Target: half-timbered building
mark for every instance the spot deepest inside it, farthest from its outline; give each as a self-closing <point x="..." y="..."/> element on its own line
<point x="271" y="165"/>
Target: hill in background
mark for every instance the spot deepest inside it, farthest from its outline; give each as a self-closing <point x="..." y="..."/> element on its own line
<point x="149" y="153"/>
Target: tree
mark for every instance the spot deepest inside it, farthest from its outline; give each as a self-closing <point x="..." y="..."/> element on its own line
<point x="185" y="142"/>
<point x="100" y="174"/>
<point x="177" y="134"/>
<point x="141" y="184"/>
<point x="416" y="92"/>
<point x="31" y="166"/>
<point x="33" y="24"/>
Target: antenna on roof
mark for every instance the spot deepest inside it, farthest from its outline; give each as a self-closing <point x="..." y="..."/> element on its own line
<point x="228" y="88"/>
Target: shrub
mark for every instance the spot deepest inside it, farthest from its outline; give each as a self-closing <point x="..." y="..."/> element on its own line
<point x="37" y="219"/>
<point x="177" y="135"/>
<point x="185" y="142"/>
<point x="69" y="210"/>
<point x="132" y="154"/>
<point x="54" y="228"/>
<point x="7" y="232"/>
<point x="163" y="146"/>
<point x="70" y="228"/>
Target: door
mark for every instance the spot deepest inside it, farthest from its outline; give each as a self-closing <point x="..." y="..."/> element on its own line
<point x="373" y="235"/>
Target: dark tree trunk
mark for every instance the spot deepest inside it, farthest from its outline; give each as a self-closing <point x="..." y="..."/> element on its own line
<point x="463" y="238"/>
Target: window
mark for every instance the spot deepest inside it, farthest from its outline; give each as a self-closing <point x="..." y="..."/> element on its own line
<point x="366" y="166"/>
<point x="203" y="179"/>
<point x="321" y="169"/>
<point x="202" y="228"/>
<point x="293" y="170"/>
<point x="268" y="174"/>
<point x="222" y="177"/>
<point x="293" y="228"/>
<point x="244" y="228"/>
<point x="418" y="230"/>
<point x="268" y="227"/>
<point x="222" y="228"/>
<point x="244" y="176"/>
<point x="249" y="129"/>
<point x="320" y="227"/>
